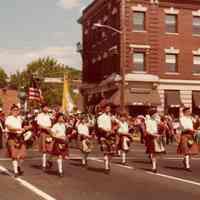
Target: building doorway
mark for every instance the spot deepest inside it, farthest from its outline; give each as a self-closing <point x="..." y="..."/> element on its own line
<point x="134" y="111"/>
<point x="174" y="112"/>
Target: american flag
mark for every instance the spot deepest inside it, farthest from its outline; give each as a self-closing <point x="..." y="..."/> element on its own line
<point x="35" y="94"/>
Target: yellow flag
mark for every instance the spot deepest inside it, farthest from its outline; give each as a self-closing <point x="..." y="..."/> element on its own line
<point x="67" y="102"/>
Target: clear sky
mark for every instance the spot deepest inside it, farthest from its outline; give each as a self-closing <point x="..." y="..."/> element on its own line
<point x="38" y="28"/>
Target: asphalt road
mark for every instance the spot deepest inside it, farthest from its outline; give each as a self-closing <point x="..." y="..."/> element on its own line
<point x="134" y="181"/>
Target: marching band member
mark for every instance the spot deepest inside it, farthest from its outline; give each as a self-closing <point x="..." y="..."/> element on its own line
<point x="15" y="143"/>
<point x="85" y="137"/>
<point x="124" y="137"/>
<point x="187" y="145"/>
<point x="107" y="136"/>
<point x="46" y="144"/>
<point x="60" y="144"/>
<point x="154" y="140"/>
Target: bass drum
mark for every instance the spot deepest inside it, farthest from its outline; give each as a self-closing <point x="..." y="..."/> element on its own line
<point x="28" y="136"/>
<point x="28" y="139"/>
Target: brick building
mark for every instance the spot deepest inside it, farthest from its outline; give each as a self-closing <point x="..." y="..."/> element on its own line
<point x="161" y="54"/>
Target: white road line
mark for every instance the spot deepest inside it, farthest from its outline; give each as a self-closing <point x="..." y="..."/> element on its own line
<point x="124" y="166"/>
<point x="175" y="178"/>
<point x="28" y="185"/>
<point x="157" y="174"/>
<point x="119" y="165"/>
<point x="178" y="158"/>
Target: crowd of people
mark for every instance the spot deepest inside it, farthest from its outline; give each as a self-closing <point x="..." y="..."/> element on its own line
<point x="54" y="131"/>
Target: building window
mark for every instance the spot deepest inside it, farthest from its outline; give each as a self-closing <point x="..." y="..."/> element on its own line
<point x="138" y="21"/>
<point x="196" y="64"/>
<point x="196" y="25"/>
<point x="171" y="23"/>
<point x="139" y="61"/>
<point x="171" y="63"/>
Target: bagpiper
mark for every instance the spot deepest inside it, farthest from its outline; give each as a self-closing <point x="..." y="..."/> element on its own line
<point x="187" y="145"/>
<point x="107" y="137"/>
<point x="153" y="138"/>
<point x="60" y="142"/>
<point x="44" y="123"/>
<point x="15" y="139"/>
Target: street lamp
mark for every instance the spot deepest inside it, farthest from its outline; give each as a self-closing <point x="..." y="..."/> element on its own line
<point x="108" y="27"/>
<point x="22" y="97"/>
<point x="123" y="50"/>
<point x="79" y="47"/>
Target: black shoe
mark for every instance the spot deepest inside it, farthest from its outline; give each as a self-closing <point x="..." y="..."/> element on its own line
<point x="16" y="175"/>
<point x="61" y="174"/>
<point x="49" y="164"/>
<point x="21" y="172"/>
<point x="124" y="163"/>
<point x="188" y="169"/>
<point x="107" y="171"/>
<point x="154" y="171"/>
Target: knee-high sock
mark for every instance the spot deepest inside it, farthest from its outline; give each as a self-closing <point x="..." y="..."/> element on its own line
<point x="154" y="162"/>
<point x="84" y="158"/>
<point x="107" y="162"/>
<point x="15" y="166"/>
<point x="187" y="161"/>
<point x="123" y="157"/>
<point x="44" y="160"/>
<point x="60" y="165"/>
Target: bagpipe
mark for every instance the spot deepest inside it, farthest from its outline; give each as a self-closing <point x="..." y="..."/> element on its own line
<point x="26" y="137"/>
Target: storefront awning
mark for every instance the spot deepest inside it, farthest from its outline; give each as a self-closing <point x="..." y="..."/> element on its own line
<point x="173" y="99"/>
<point x="137" y="98"/>
<point x="196" y="98"/>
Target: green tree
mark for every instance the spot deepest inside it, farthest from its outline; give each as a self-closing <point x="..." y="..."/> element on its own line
<point x="3" y="78"/>
<point x="41" y="68"/>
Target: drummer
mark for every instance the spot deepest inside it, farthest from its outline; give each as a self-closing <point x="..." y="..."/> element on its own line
<point x="15" y="143"/>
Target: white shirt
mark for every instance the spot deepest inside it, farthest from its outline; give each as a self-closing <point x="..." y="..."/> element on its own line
<point x="83" y="129"/>
<point x="59" y="130"/>
<point x="186" y="123"/>
<point x="151" y="126"/>
<point x="104" y="122"/>
<point x="44" y="120"/>
<point x="14" y="122"/>
<point x="123" y="127"/>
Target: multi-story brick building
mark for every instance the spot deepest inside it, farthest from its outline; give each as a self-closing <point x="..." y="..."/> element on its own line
<point x="161" y="54"/>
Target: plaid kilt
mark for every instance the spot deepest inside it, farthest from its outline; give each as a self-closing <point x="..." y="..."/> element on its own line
<point x="60" y="148"/>
<point x="154" y="145"/>
<point x="108" y="142"/>
<point x="16" y="147"/>
<point x="187" y="144"/>
<point x="122" y="145"/>
<point x="45" y="142"/>
<point x="85" y="144"/>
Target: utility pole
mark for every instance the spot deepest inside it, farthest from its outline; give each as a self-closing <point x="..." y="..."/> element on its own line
<point x="122" y="53"/>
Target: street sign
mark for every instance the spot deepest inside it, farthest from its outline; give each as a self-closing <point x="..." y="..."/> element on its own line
<point x="53" y="80"/>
